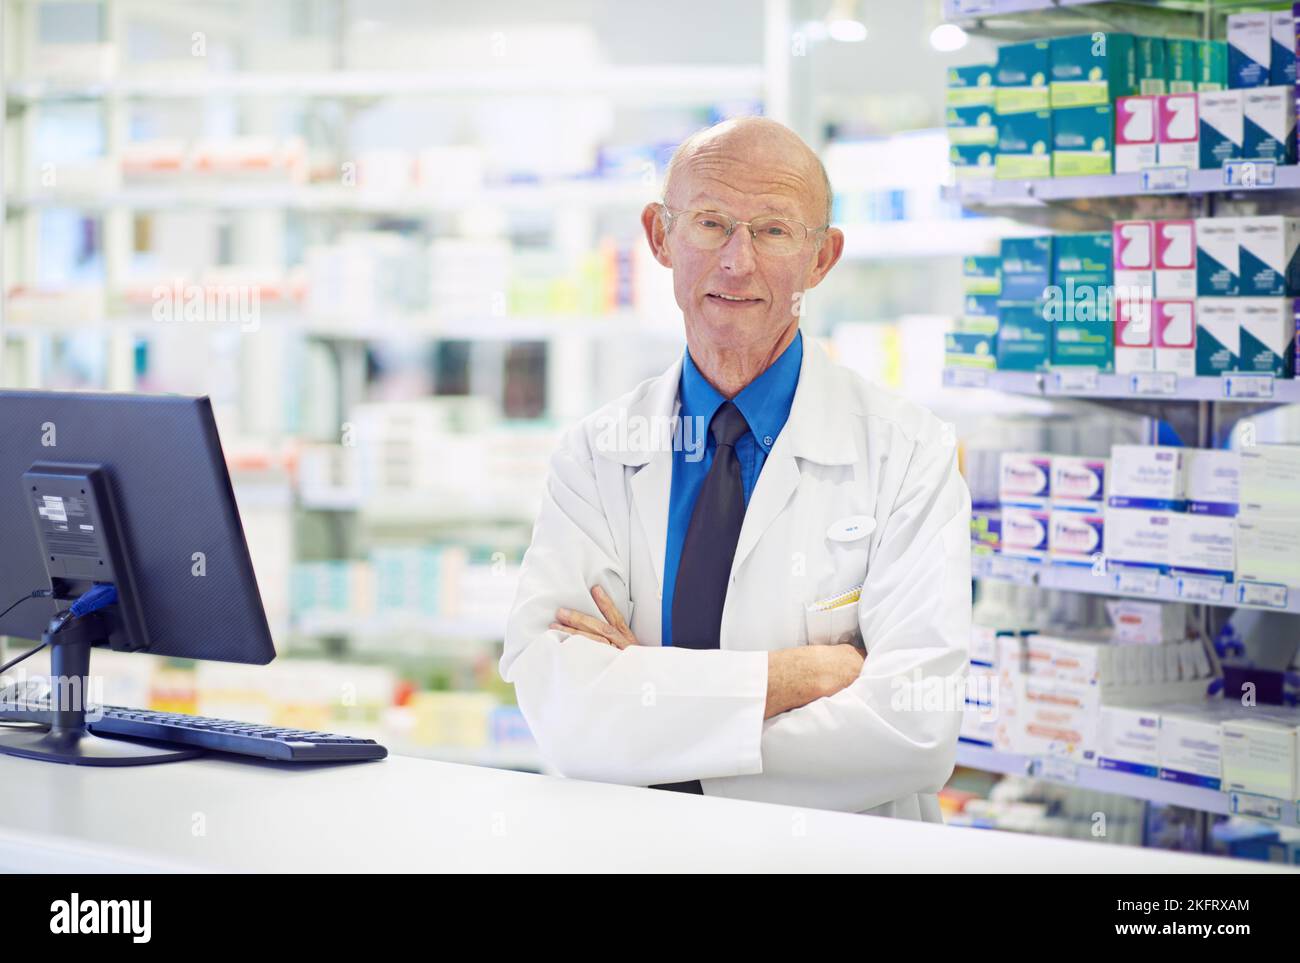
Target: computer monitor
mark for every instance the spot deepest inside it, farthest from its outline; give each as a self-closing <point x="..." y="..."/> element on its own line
<point x="129" y="490"/>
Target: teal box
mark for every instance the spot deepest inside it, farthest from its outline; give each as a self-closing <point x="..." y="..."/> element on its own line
<point x="1092" y="68"/>
<point x="981" y="274"/>
<point x="1080" y="343"/>
<point x="970" y="86"/>
<point x="971" y="125"/>
<point x="980" y="306"/>
<point x="1083" y="141"/>
<point x="972" y="160"/>
<point x="1024" y="145"/>
<point x="966" y="349"/>
<point x="1152" y="56"/>
<point x="1181" y="61"/>
<point x="1021" y="77"/>
<point x="1085" y="258"/>
<point x="1024" y="341"/>
<point x="1026" y="267"/>
<point x="1212" y="65"/>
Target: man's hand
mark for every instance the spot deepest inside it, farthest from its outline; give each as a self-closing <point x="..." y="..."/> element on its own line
<point x="612" y="631"/>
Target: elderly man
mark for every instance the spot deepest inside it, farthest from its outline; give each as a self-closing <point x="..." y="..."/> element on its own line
<point x="750" y="576"/>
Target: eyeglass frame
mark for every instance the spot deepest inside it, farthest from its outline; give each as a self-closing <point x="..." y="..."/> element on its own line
<point x="749" y="225"/>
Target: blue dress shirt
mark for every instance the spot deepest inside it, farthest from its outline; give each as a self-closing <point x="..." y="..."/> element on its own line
<point x="765" y="403"/>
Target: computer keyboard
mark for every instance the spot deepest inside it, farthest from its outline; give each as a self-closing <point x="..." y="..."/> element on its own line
<point x="280" y="743"/>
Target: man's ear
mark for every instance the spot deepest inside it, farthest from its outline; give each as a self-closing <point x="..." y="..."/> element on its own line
<point x="828" y="255"/>
<point x="656" y="233"/>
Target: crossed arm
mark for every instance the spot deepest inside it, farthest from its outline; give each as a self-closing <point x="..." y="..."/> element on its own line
<point x="795" y="676"/>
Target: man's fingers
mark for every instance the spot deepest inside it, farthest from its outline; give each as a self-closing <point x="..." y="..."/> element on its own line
<point x="584" y="622"/>
<point x="607" y="608"/>
<point x="588" y="635"/>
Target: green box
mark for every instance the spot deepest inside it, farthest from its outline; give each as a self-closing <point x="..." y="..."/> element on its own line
<point x="1084" y="258"/>
<point x="970" y="86"/>
<point x="1182" y="61"/>
<point x="1211" y="65"/>
<point x="966" y="349"/>
<point x="1026" y="268"/>
<point x="1152" y="65"/>
<point x="1024" y="341"/>
<point x="1021" y="77"/>
<point x="971" y="125"/>
<point x="1089" y="69"/>
<point x="1082" y="343"/>
<point x="1024" y="145"/>
<point x="981" y="274"/>
<point x="1083" y="141"/>
<point x="972" y="160"/>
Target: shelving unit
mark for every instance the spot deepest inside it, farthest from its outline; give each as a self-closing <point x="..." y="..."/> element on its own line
<point x="1200" y="408"/>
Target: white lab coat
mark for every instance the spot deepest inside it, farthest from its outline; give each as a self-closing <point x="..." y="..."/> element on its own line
<point x="654" y="714"/>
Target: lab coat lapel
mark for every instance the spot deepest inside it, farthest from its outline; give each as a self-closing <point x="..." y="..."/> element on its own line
<point x="651" y="486"/>
<point x="818" y="429"/>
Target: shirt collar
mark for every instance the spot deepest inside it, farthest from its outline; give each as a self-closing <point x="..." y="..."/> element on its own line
<point x="765" y="401"/>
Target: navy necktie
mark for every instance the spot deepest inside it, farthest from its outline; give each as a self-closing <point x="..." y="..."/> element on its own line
<point x="704" y="572"/>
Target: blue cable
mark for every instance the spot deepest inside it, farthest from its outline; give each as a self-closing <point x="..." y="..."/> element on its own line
<point x="99" y="596"/>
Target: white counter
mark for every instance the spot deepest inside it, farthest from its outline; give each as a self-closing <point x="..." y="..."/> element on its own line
<point x="403" y="814"/>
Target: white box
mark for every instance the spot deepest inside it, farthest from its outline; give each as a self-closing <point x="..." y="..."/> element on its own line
<point x="1057" y="718"/>
<point x="1138" y="537"/>
<point x="1025" y="530"/>
<point x="1024" y="477"/>
<point x="1175" y="259"/>
<point x="1175" y="336"/>
<point x="1134" y="335"/>
<point x="1218" y="336"/>
<point x="1270" y="479"/>
<point x="1268" y="548"/>
<point x="1178" y="131"/>
<point x="1259" y="756"/>
<point x="1076" y="534"/>
<point x="1147" y="623"/>
<point x="1282" y="52"/>
<point x="1190" y="745"/>
<point x="1129" y="740"/>
<point x="1218" y="257"/>
<point x="1146" y="475"/>
<point x="1268" y="248"/>
<point x="1135" y="134"/>
<point x="1223" y="126"/>
<point x="1250" y="41"/>
<point x="1203" y="545"/>
<point x="1078" y="479"/>
<point x="1269" y="132"/>
<point x="1213" y="480"/>
<point x="1133" y="258"/>
<point x="1268" y="332"/>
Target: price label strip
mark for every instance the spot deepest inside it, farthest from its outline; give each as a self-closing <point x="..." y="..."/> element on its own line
<point x="965" y="377"/>
<point x="1248" y="386"/>
<point x="1248" y="174"/>
<point x="1200" y="589"/>
<point x="1137" y="583"/>
<point x="1076" y="381"/>
<point x="1154" y="383"/>
<point x="1260" y="807"/>
<point x="1263" y="594"/>
<point x="1156" y="180"/>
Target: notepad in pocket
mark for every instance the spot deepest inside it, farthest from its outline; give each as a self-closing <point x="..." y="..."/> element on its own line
<point x="834" y="620"/>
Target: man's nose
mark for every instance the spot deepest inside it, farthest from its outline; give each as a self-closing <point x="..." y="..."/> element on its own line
<point x="738" y="254"/>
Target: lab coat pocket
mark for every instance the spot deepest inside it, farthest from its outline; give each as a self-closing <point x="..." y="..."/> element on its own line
<point x="833" y="621"/>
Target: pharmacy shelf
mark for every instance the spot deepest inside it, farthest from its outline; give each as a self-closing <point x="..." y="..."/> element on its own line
<point x="1152" y="789"/>
<point x="991" y="192"/>
<point x="1031" y="19"/>
<point x="205" y="192"/>
<point x="1084" y="383"/>
<point x="658" y="85"/>
<point x="953" y="237"/>
<point x="1151" y="586"/>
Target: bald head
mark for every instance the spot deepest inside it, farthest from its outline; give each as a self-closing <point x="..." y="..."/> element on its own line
<point x="774" y="160"/>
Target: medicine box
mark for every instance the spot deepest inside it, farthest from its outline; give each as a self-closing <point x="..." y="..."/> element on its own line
<point x="971" y="125"/>
<point x="970" y="86"/>
<point x="1175" y="336"/>
<point x="1135" y="134"/>
<point x="1133" y="251"/>
<point x="1024" y="340"/>
<point x="1218" y="336"/>
<point x="1250" y="40"/>
<point x="1218" y="257"/>
<point x="1267" y="336"/>
<point x="1150" y="476"/>
<point x="1175" y="259"/>
<point x="1177" y="131"/>
<point x="1083" y="140"/>
<point x="1269" y="131"/>
<point x="1092" y="69"/>
<point x="1026" y="267"/>
<point x="1213" y="481"/>
<point x="1222" y="116"/>
<point x="1281" y="68"/>
<point x="1134" y="335"/>
<point x="1024" y="148"/>
<point x="1020" y="77"/>
<point x="1024" y="477"/>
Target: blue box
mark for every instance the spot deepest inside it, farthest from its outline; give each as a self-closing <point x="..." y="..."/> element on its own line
<point x="1026" y="267"/>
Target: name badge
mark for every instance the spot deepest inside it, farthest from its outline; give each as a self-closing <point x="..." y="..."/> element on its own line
<point x="851" y="529"/>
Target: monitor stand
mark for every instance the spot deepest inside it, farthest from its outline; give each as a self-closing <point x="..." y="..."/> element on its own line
<point x="68" y="740"/>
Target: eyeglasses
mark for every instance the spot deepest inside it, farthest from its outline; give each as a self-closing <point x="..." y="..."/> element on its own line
<point x="709" y="230"/>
